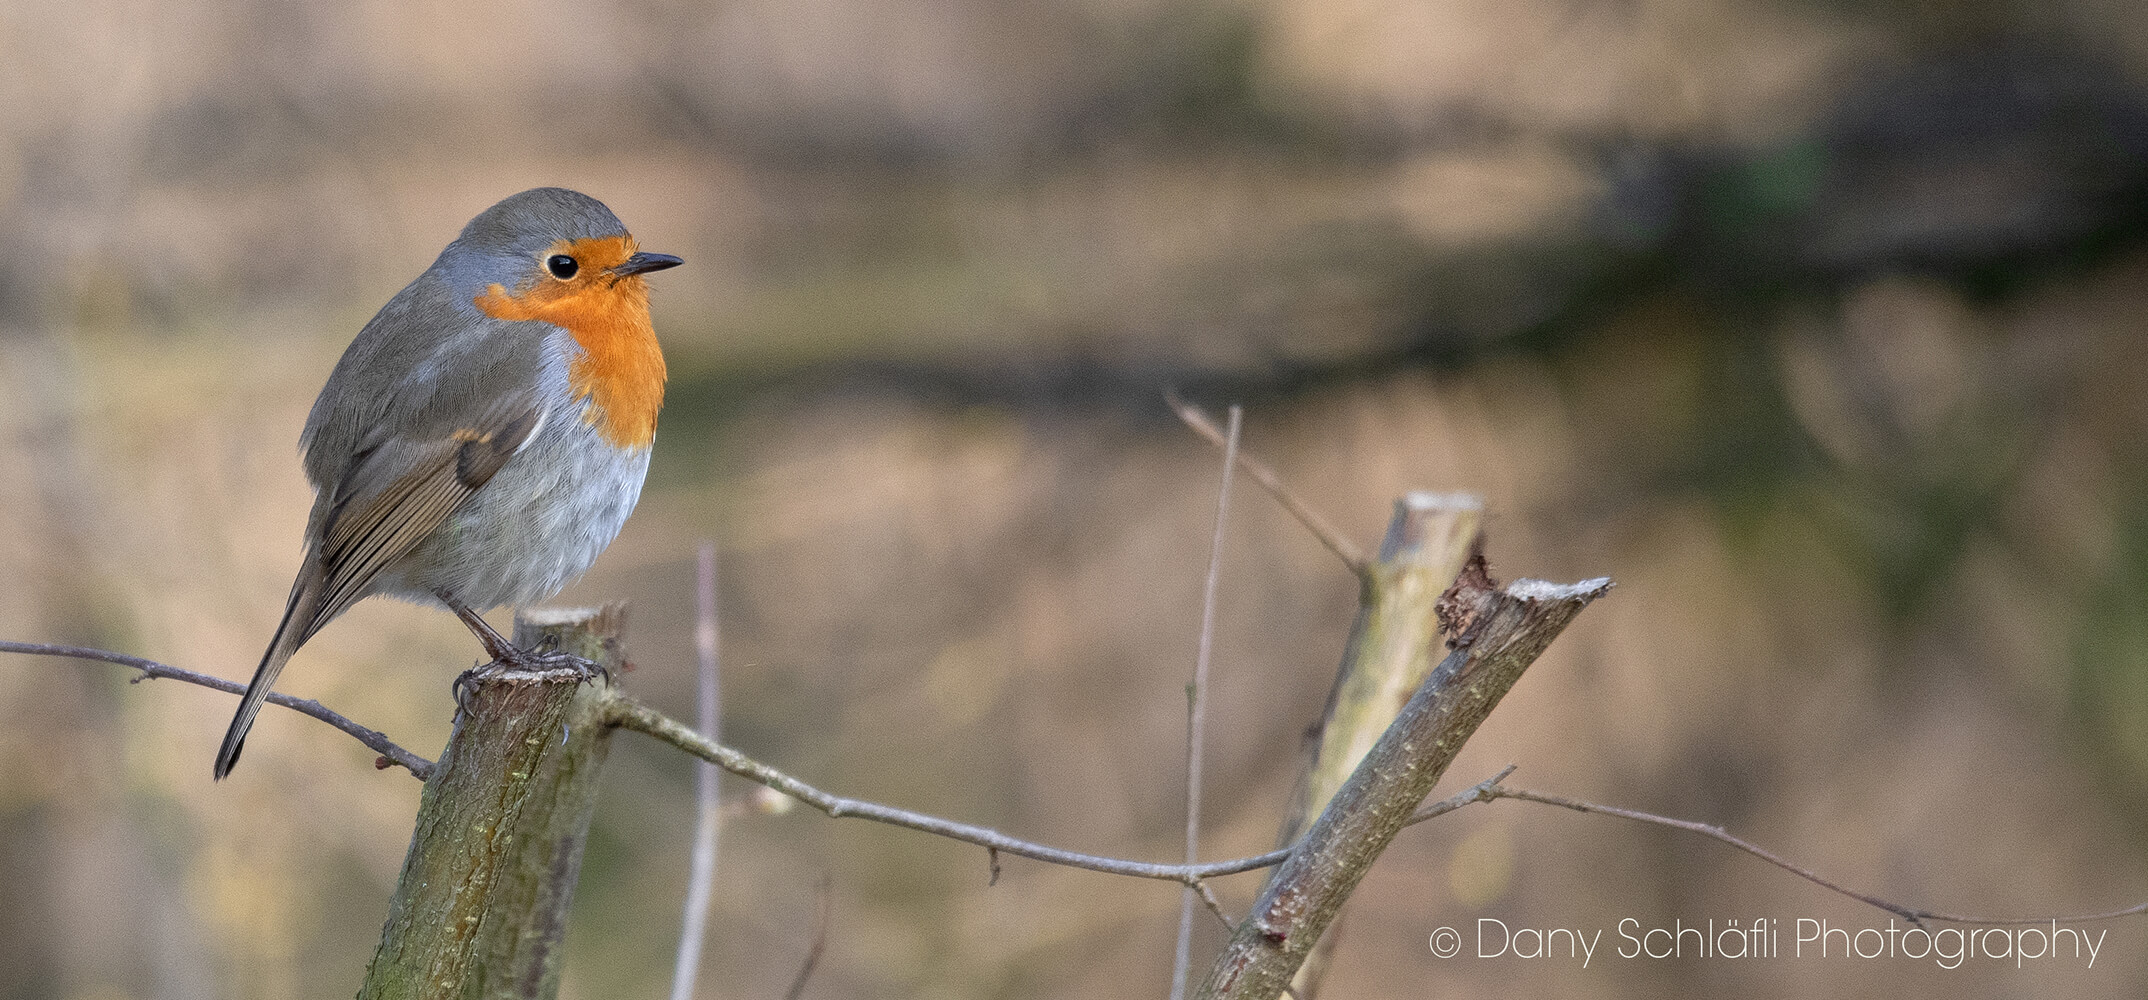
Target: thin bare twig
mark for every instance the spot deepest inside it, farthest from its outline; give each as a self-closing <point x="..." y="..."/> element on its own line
<point x="1215" y="906"/>
<point x="708" y="822"/>
<point x="1327" y="533"/>
<point x="152" y="670"/>
<point x="1911" y="914"/>
<point x="1197" y="709"/>
<point x="820" y="944"/>
<point x="1483" y="791"/>
<point x="630" y="714"/>
<point x="640" y="718"/>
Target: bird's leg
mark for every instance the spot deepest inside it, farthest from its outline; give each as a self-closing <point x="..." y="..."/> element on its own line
<point x="503" y="652"/>
<point x="506" y="654"/>
<point x="496" y="645"/>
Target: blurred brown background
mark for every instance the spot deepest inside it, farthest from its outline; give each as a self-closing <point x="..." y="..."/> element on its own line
<point x="1815" y="324"/>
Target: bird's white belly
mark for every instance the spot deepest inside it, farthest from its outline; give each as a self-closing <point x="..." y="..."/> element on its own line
<point x="536" y="526"/>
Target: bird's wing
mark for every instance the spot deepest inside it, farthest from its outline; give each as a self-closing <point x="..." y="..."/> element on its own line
<point x="399" y="490"/>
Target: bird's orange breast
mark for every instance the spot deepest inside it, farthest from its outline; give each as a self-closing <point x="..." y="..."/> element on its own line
<point x="621" y="368"/>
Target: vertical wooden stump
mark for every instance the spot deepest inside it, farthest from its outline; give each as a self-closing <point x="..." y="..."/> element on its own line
<point x="1500" y="631"/>
<point x="481" y="908"/>
<point x="1392" y="649"/>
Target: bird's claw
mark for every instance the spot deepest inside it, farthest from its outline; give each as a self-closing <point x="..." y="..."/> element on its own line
<point x="545" y="657"/>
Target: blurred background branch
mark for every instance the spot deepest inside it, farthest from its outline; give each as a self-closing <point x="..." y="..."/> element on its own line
<point x="708" y="789"/>
<point x="1197" y="709"/>
<point x="817" y="944"/>
<point x="1320" y="526"/>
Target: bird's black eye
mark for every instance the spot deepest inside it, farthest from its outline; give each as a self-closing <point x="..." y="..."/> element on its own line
<point x="561" y="266"/>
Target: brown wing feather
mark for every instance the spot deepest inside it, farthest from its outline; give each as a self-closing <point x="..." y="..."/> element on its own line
<point x="366" y="533"/>
<point x="361" y="540"/>
<point x="359" y="547"/>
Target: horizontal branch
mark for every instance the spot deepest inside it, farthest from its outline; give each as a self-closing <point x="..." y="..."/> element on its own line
<point x="631" y="714"/>
<point x="635" y="716"/>
<point x="640" y="718"/>
<point x="1911" y="914"/>
<point x="152" y="670"/>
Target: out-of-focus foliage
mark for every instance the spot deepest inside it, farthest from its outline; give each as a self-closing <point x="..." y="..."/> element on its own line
<point x="1816" y="325"/>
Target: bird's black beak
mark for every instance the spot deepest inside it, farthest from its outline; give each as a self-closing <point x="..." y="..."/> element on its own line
<point x="643" y="263"/>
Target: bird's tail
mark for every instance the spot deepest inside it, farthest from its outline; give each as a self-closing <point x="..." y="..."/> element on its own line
<point x="291" y="633"/>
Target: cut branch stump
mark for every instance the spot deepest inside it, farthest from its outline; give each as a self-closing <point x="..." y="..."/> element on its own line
<point x="1496" y="633"/>
<point x="481" y="908"/>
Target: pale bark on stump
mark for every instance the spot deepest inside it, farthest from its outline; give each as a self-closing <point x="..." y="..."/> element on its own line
<point x="1498" y="632"/>
<point x="1392" y="648"/>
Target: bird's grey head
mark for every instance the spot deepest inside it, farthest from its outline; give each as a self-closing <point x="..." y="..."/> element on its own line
<point x="504" y="243"/>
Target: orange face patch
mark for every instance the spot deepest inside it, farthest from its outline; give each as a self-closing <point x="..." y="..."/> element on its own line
<point x="621" y="370"/>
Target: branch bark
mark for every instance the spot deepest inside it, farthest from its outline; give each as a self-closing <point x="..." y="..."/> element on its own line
<point x="1390" y="652"/>
<point x="1498" y="632"/>
<point x="481" y="908"/>
<point x="151" y="670"/>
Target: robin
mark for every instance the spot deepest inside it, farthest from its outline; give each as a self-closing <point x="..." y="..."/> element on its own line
<point x="486" y="434"/>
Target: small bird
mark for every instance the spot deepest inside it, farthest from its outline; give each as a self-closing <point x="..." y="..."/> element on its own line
<point x="486" y="434"/>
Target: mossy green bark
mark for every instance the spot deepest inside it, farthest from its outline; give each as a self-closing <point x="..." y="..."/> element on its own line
<point x="481" y="908"/>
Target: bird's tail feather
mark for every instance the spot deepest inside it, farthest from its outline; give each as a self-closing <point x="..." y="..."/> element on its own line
<point x="291" y="633"/>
